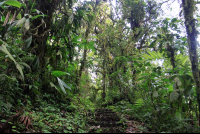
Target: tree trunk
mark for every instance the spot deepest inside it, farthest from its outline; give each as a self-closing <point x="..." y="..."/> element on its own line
<point x="82" y="68"/>
<point x="188" y="8"/>
<point x="104" y="73"/>
<point x="41" y="36"/>
<point x="171" y="55"/>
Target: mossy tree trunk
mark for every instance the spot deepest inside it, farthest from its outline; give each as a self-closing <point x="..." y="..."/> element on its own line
<point x="189" y="8"/>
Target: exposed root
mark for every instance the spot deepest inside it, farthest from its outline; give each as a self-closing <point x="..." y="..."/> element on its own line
<point x="6" y="124"/>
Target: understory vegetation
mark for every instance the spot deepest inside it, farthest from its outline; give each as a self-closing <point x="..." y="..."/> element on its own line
<point x="60" y="60"/>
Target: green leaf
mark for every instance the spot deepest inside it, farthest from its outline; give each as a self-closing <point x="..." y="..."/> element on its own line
<point x="14" y="127"/>
<point x="75" y="39"/>
<point x="28" y="41"/>
<point x="170" y="88"/>
<point x="30" y="86"/>
<point x="136" y="63"/>
<point x="59" y="73"/>
<point x="135" y="59"/>
<point x="21" y="22"/>
<point x="174" y="20"/>
<point x="4" y="49"/>
<point x="1" y="3"/>
<point x="14" y="24"/>
<point x="3" y="104"/>
<point x="37" y="16"/>
<point x="174" y="96"/>
<point x="153" y="44"/>
<point x="155" y="94"/>
<point x="52" y="85"/>
<point x="140" y="58"/>
<point x="13" y="3"/>
<point x="24" y="64"/>
<point x="69" y="128"/>
<point x="18" y="66"/>
<point x="35" y="10"/>
<point x="184" y="39"/>
<point x="3" y="121"/>
<point x="46" y="131"/>
<point x="10" y="122"/>
<point x="178" y="116"/>
<point x="63" y="84"/>
<point x="36" y="63"/>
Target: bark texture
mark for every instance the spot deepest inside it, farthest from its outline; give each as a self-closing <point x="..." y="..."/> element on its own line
<point x="189" y="8"/>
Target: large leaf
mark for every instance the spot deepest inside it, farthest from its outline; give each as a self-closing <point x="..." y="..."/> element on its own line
<point x="178" y="116"/>
<point x="37" y="16"/>
<point x="177" y="81"/>
<point x="170" y="88"/>
<point x="4" y="49"/>
<point x="21" y="21"/>
<point x="24" y="64"/>
<point x="1" y="3"/>
<point x="155" y="94"/>
<point x="174" y="96"/>
<point x="52" y="85"/>
<point x="13" y="25"/>
<point x="13" y="3"/>
<point x="18" y="66"/>
<point x="28" y="41"/>
<point x="62" y="85"/>
<point x="36" y="63"/>
<point x="59" y="73"/>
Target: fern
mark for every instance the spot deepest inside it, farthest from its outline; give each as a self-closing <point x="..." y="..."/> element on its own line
<point x="152" y="55"/>
<point x="182" y="59"/>
<point x="139" y="102"/>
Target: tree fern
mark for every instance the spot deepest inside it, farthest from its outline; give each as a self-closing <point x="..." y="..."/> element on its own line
<point x="181" y="59"/>
<point x="152" y="55"/>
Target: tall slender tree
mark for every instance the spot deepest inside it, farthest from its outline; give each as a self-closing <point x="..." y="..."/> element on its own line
<point x="189" y="9"/>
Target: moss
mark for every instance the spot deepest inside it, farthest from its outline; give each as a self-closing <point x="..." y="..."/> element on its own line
<point x="190" y="29"/>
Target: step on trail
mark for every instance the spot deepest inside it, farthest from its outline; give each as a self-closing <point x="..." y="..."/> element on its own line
<point x="105" y="121"/>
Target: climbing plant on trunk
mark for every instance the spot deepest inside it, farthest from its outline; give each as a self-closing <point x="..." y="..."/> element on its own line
<point x="189" y="9"/>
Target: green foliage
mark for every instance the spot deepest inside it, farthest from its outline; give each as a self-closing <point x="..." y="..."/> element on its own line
<point x="18" y="66"/>
<point x="59" y="73"/>
<point x="50" y="119"/>
<point x="57" y="66"/>
<point x="11" y="3"/>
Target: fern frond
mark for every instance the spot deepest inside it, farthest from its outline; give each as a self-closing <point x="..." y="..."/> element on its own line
<point x="153" y="55"/>
<point x="139" y="102"/>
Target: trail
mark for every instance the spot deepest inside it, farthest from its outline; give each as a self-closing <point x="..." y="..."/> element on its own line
<point x="107" y="121"/>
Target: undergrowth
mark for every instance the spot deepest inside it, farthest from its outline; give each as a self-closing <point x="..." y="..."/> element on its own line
<point x="51" y="118"/>
<point x="167" y="124"/>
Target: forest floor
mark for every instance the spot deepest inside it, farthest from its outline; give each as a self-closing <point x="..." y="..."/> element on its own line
<point x="136" y="127"/>
<point x="102" y="121"/>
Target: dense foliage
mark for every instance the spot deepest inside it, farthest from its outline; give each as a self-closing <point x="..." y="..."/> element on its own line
<point x="62" y="59"/>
